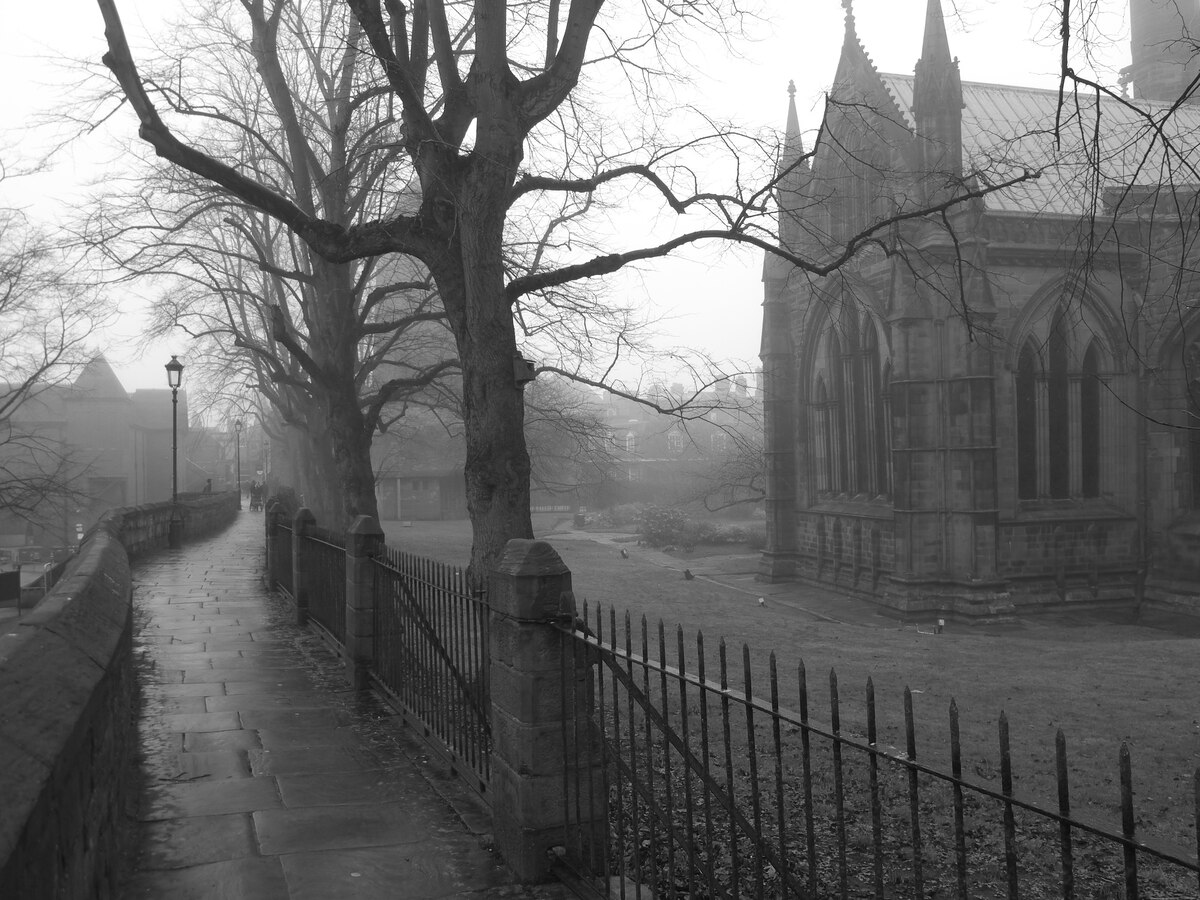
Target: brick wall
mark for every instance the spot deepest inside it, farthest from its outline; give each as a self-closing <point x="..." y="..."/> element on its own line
<point x="66" y="703"/>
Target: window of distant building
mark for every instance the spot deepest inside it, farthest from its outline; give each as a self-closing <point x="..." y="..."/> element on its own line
<point x="849" y="436"/>
<point x="719" y="442"/>
<point x="1060" y="404"/>
<point x="631" y="442"/>
<point x="675" y="441"/>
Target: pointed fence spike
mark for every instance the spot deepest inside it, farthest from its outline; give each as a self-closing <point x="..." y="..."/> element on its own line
<point x="1128" y="824"/>
<point x="1196" y="805"/>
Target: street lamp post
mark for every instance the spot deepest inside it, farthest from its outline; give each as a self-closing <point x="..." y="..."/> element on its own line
<point x="174" y="380"/>
<point x="237" y="430"/>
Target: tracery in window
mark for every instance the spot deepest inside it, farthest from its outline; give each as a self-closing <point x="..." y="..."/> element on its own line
<point x="1059" y="399"/>
<point x="850" y="432"/>
<point x="1027" y="438"/>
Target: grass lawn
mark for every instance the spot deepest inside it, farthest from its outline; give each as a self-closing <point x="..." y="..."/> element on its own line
<point x="1102" y="679"/>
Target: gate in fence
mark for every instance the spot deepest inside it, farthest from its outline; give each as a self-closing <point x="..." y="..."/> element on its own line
<point x="431" y="656"/>
<point x="279" y="559"/>
<point x="325" y="567"/>
<point x="715" y="792"/>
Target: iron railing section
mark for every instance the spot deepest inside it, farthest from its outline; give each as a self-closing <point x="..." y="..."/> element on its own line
<point x="713" y="791"/>
<point x="281" y="560"/>
<point x="325" y="562"/>
<point x="431" y="656"/>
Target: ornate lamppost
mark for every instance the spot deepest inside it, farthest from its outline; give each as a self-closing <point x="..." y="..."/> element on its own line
<point x="174" y="380"/>
<point x="237" y="430"/>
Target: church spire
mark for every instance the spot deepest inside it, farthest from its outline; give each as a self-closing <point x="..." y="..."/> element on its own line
<point x="938" y="99"/>
<point x="792" y="175"/>
<point x="935" y="48"/>
<point x="792" y="156"/>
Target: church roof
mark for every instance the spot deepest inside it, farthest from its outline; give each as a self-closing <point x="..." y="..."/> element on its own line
<point x="1006" y="129"/>
<point x="99" y="381"/>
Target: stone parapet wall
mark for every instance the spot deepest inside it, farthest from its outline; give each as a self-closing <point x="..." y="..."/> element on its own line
<point x="67" y="689"/>
<point x="144" y="528"/>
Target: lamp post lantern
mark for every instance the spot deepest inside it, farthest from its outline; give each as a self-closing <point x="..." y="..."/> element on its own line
<point x="237" y="430"/>
<point x="174" y="380"/>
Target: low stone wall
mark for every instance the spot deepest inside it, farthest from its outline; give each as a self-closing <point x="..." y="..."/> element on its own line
<point x="67" y="688"/>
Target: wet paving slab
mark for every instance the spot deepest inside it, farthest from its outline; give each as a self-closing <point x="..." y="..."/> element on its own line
<point x="263" y="775"/>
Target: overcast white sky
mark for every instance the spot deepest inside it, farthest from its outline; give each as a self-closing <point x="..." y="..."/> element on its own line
<point x="712" y="299"/>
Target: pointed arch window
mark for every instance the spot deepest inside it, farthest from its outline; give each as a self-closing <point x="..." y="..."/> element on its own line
<point x="1058" y="406"/>
<point x="1089" y="422"/>
<point x="823" y="449"/>
<point x="1027" y="438"/>
<point x="1059" y="403"/>
<point x="850" y="427"/>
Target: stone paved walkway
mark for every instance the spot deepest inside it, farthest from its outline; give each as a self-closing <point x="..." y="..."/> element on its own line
<point x="264" y="776"/>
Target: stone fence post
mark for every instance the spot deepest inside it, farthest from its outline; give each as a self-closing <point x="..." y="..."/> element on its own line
<point x="535" y="728"/>
<point x="364" y="540"/>
<point x="301" y="576"/>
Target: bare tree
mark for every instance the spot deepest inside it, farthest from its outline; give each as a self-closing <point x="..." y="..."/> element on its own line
<point x="47" y="318"/>
<point x="494" y="128"/>
<point x="329" y="344"/>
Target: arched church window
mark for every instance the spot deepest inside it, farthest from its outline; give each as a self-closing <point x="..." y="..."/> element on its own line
<point x="850" y="419"/>
<point x="1059" y="410"/>
<point x="1191" y="377"/>
<point x="1027" y="438"/>
<point x="1058" y="402"/>
<point x="854" y="403"/>
<point x="1089" y="422"/>
<point x="823" y="449"/>
<point x="883" y="424"/>
<point x="837" y="414"/>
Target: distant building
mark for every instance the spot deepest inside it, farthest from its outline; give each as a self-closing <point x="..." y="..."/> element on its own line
<point x="118" y="446"/>
<point x="419" y="469"/>
<point x="712" y="451"/>
<point x="588" y="448"/>
<point x="1005" y="414"/>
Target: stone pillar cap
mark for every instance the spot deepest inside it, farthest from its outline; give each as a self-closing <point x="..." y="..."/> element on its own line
<point x="531" y="558"/>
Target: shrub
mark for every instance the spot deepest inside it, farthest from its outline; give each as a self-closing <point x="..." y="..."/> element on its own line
<point x="659" y="525"/>
<point x="624" y="514"/>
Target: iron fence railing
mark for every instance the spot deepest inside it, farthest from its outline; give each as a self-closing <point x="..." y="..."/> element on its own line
<point x="281" y="559"/>
<point x="431" y="655"/>
<point x="325" y="563"/>
<point x="713" y="791"/>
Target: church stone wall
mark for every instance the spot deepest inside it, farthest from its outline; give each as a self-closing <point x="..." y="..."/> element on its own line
<point x="850" y="550"/>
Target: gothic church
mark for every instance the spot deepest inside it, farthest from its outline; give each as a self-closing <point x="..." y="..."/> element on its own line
<point x="995" y="403"/>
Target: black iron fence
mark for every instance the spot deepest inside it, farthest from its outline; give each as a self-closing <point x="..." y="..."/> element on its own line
<point x="431" y="655"/>
<point x="426" y="646"/>
<point x="279" y="560"/>
<point x="325" y="566"/>
<point x="713" y="791"/>
<point x="707" y="786"/>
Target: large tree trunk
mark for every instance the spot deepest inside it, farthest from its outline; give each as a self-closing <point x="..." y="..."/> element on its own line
<point x="334" y="337"/>
<point x="351" y="446"/>
<point x="319" y="487"/>
<point x="497" y="463"/>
